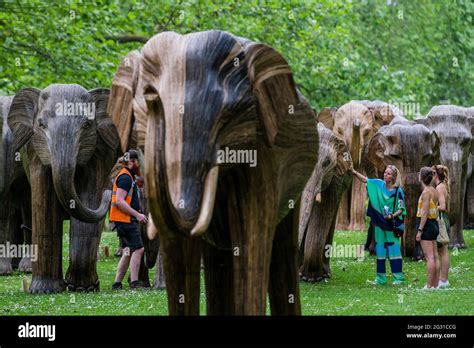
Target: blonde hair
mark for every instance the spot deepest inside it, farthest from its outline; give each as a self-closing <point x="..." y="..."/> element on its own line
<point x="443" y="174"/>
<point x="398" y="177"/>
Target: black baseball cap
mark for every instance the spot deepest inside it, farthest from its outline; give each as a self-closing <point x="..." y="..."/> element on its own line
<point x="131" y="154"/>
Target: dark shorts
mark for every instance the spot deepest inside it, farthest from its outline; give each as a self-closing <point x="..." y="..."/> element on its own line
<point x="431" y="230"/>
<point x="130" y="236"/>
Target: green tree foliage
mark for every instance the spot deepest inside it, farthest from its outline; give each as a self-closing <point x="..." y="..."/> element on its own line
<point x="400" y="51"/>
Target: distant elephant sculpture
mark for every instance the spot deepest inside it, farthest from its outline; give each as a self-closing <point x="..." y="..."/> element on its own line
<point x="319" y="203"/>
<point x="409" y="146"/>
<point x="455" y="130"/>
<point x="15" y="198"/>
<point x="198" y="95"/>
<point x="356" y="122"/>
<point x="71" y="146"/>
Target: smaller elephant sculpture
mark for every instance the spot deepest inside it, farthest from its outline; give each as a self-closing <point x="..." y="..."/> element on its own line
<point x="456" y="133"/>
<point x="331" y="177"/>
<point x="409" y="146"/>
<point x="356" y="122"/>
<point x="15" y="198"/>
<point x="70" y="146"/>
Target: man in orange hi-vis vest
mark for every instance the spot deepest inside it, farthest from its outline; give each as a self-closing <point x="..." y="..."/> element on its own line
<point x="125" y="213"/>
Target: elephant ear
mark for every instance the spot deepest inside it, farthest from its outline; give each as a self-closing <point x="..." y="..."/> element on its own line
<point x="377" y="146"/>
<point x="471" y="123"/>
<point x="121" y="101"/>
<point x="21" y="116"/>
<point x="425" y="121"/>
<point x="344" y="160"/>
<point x="105" y="126"/>
<point x="326" y="117"/>
<point x="273" y="86"/>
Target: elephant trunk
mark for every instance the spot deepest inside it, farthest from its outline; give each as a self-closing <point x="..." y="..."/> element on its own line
<point x="356" y="149"/>
<point x="192" y="212"/>
<point x="457" y="191"/>
<point x="63" y="172"/>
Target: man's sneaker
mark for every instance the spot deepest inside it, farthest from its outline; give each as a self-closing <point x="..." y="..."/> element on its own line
<point x="443" y="284"/>
<point x="117" y="286"/>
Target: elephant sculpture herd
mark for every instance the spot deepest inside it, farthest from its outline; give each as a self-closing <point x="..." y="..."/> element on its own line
<point x="180" y="100"/>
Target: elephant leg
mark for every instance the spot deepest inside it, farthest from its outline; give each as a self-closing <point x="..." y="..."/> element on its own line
<point x="343" y="214"/>
<point x="160" y="282"/>
<point x="311" y="269"/>
<point x="5" y="262"/>
<point x="284" y="286"/>
<point x="329" y="240"/>
<point x="83" y="247"/>
<point x="251" y="210"/>
<point x="320" y="234"/>
<point x="14" y="230"/>
<point x="47" y="232"/>
<point x="143" y="274"/>
<point x="25" y="263"/>
<point x="218" y="280"/>
<point x="182" y="265"/>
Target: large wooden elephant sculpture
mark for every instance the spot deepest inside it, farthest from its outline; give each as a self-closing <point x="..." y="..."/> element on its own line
<point x="198" y="97"/>
<point x="455" y="130"/>
<point x="409" y="146"/>
<point x="15" y="197"/>
<point x="356" y="122"/>
<point x="319" y="203"/>
<point x="71" y="146"/>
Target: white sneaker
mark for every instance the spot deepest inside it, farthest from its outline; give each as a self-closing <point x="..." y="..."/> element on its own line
<point x="443" y="284"/>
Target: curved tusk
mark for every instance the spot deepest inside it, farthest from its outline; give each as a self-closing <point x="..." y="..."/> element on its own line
<point x="151" y="230"/>
<point x="208" y="200"/>
<point x="318" y="197"/>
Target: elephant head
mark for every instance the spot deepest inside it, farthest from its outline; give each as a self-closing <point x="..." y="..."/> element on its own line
<point x="356" y="122"/>
<point x="455" y="130"/>
<point x="193" y="95"/>
<point x="409" y="146"/>
<point x="64" y="125"/>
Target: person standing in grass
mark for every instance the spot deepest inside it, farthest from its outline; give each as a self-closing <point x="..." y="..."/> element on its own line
<point x="427" y="225"/>
<point x="125" y="213"/>
<point x="441" y="181"/>
<point x="386" y="203"/>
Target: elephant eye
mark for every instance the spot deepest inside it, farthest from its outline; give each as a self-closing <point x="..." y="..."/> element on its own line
<point x="465" y="141"/>
<point x="87" y="125"/>
<point x="42" y="124"/>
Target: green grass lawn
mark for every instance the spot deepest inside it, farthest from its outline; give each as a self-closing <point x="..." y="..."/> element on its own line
<point x="346" y="293"/>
